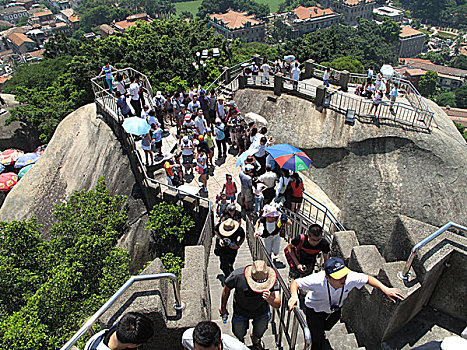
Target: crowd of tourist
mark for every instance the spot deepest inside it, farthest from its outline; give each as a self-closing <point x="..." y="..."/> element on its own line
<point x="208" y="127"/>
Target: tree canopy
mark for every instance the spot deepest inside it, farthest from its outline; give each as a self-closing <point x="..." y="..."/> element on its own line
<point x="427" y="83"/>
<point x="369" y="43"/>
<point x="50" y="286"/>
<point x="221" y="6"/>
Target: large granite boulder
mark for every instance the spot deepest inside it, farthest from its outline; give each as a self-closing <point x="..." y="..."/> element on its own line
<point x="82" y="150"/>
<point x="373" y="173"/>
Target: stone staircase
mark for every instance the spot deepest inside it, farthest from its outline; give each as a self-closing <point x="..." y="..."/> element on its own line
<point x="339" y="338"/>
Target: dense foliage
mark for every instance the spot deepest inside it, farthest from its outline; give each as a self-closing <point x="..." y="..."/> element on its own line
<point x="221" y="6"/>
<point x="369" y="43"/>
<point x="462" y="129"/>
<point x="427" y="83"/>
<point x="169" y="222"/>
<point x="49" y="287"/>
<point x="164" y="50"/>
<point x="445" y="58"/>
<point x="289" y="5"/>
<point x="451" y="12"/>
<point x="345" y="63"/>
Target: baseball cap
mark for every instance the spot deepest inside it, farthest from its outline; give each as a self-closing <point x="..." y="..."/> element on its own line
<point x="217" y="120"/>
<point x="182" y="105"/>
<point x="335" y="268"/>
<point x="208" y="130"/>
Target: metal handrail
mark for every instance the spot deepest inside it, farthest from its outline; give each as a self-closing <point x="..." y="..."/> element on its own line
<point x="404" y="274"/>
<point x="179" y="305"/>
<point x="258" y="252"/>
<point x="98" y="90"/>
<point x="327" y="211"/>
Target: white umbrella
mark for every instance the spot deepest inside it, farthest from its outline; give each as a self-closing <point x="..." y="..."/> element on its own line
<point x="387" y="71"/>
<point x="256" y="117"/>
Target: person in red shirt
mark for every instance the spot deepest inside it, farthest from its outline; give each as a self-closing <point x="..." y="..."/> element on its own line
<point x="297" y="192"/>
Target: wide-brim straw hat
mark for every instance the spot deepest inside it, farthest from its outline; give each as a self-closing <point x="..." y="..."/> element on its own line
<point x="228" y="227"/>
<point x="259" y="276"/>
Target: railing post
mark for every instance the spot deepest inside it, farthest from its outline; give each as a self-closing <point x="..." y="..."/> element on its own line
<point x="227" y="75"/>
<point x="242" y="81"/>
<point x="344" y="80"/>
<point x="278" y="84"/>
<point x="309" y="69"/>
<point x="320" y="94"/>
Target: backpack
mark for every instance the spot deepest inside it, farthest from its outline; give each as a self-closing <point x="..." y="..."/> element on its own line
<point x="296" y="250"/>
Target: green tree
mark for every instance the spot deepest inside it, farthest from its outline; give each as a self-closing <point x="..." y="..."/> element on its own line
<point x="462" y="129"/>
<point x="221" y="6"/>
<point x="289" y="5"/>
<point x="447" y="98"/>
<point x="461" y="96"/>
<point x="427" y="83"/>
<point x="50" y="286"/>
<point x="345" y="63"/>
<point x="459" y="61"/>
<point x="169" y="221"/>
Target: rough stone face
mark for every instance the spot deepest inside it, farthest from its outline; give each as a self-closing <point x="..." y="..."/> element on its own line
<point x="17" y="134"/>
<point x="82" y="150"/>
<point x="373" y="173"/>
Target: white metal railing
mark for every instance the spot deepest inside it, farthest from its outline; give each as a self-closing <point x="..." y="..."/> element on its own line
<point x="289" y="320"/>
<point x="108" y="101"/>
<point x="179" y="305"/>
<point x="404" y="274"/>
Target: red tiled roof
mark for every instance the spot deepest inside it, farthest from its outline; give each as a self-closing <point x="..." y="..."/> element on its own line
<point x="407" y="31"/>
<point x="43" y="13"/>
<point x="74" y="18"/>
<point x="233" y="19"/>
<point x="4" y="79"/>
<point x="19" y="38"/>
<point x="311" y="12"/>
<point x="37" y="53"/>
<point x="124" y="24"/>
<point x="408" y="60"/>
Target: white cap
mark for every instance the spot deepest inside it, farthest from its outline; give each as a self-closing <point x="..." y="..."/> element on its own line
<point x="158" y="94"/>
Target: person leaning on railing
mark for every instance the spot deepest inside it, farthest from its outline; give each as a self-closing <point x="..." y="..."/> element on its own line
<point x="327" y="291"/>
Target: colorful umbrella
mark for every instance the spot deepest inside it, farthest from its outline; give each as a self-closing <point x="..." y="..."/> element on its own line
<point x="23" y="171"/>
<point x="7" y="181"/>
<point x="136" y="126"/>
<point x="289" y="58"/>
<point x="10" y="156"/>
<point x="26" y="159"/>
<point x="289" y="157"/>
<point x="40" y="150"/>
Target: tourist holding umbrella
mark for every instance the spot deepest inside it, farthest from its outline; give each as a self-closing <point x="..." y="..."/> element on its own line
<point x="289" y="157"/>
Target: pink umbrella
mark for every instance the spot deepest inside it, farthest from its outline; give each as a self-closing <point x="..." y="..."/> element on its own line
<point x="7" y="181"/>
<point x="10" y="156"/>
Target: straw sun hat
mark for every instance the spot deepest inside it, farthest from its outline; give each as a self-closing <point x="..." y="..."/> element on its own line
<point x="260" y="277"/>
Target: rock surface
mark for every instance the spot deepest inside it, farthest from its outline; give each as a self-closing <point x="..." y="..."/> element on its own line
<point x="82" y="150"/>
<point x="16" y="134"/>
<point x="373" y="173"/>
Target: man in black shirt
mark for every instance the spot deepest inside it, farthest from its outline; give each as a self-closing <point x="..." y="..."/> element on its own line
<point x="230" y="237"/>
<point x="303" y="250"/>
<point x="256" y="289"/>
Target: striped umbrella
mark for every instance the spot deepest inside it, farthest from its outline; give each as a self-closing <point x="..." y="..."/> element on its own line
<point x="289" y="157"/>
<point x="7" y="181"/>
<point x="10" y="156"/>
